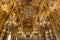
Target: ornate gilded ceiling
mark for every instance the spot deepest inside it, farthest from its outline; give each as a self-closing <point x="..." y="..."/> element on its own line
<point x="29" y="19"/>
